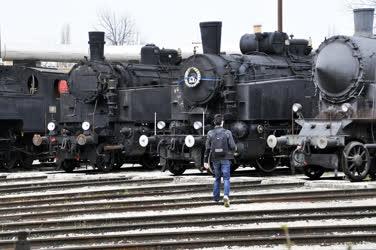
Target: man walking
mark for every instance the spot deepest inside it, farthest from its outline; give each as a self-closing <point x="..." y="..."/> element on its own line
<point x="220" y="147"/>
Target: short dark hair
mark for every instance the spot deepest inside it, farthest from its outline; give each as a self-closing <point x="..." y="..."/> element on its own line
<point x="218" y="119"/>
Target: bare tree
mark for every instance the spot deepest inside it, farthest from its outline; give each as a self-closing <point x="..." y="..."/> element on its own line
<point x="65" y="34"/>
<point x="119" y="29"/>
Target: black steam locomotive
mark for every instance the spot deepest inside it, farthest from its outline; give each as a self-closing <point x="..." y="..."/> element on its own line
<point x="28" y="95"/>
<point x="253" y="91"/>
<point x="109" y="106"/>
<point x="342" y="136"/>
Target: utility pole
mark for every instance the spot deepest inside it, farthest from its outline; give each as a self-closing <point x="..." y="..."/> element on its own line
<point x="280" y="16"/>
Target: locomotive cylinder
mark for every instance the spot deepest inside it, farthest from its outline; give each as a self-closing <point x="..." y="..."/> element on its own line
<point x="211" y="37"/>
<point x="96" y="42"/>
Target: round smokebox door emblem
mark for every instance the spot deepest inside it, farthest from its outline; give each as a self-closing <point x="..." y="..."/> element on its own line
<point x="192" y="77"/>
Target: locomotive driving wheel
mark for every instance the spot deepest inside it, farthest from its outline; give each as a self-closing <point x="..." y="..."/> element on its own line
<point x="266" y="164"/>
<point x="150" y="163"/>
<point x="68" y="165"/>
<point x="356" y="161"/>
<point x="9" y="165"/>
<point x="11" y="162"/>
<point x="314" y="172"/>
<point x="104" y="164"/>
<point x="175" y="168"/>
<point x="27" y="161"/>
<point x="117" y="165"/>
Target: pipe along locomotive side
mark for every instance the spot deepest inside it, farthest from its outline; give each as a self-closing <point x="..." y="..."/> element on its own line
<point x="342" y="135"/>
<point x="253" y="91"/>
<point x="109" y="106"/>
<point x="27" y="95"/>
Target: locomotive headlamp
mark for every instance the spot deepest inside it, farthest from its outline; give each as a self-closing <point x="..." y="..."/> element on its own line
<point x="296" y="107"/>
<point x="346" y="107"/>
<point x="197" y="125"/>
<point x="161" y="125"/>
<point x="85" y="126"/>
<point x="189" y="141"/>
<point x="51" y="126"/>
<point x="143" y="141"/>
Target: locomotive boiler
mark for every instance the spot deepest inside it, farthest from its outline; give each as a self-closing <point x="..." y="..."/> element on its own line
<point x="252" y="90"/>
<point x="342" y="135"/>
<point x="28" y="95"/>
<point x="110" y="105"/>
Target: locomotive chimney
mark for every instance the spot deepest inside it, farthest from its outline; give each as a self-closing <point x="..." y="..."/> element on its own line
<point x="363" y="22"/>
<point x="96" y="42"/>
<point x="211" y="37"/>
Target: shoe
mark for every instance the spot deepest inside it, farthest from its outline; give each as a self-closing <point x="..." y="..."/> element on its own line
<point x="226" y="201"/>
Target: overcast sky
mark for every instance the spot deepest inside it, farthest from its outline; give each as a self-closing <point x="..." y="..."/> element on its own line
<point x="172" y="23"/>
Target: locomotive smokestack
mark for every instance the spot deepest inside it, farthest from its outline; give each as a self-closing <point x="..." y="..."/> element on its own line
<point x="96" y="42"/>
<point x="363" y="21"/>
<point x="211" y="37"/>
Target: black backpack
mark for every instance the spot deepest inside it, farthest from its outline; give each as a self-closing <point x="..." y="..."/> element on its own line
<point x="219" y="143"/>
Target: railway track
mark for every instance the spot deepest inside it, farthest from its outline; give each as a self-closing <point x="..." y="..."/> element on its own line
<point x="54" y="228"/>
<point x="162" y="203"/>
<point x="44" y="186"/>
<point x="211" y="237"/>
<point x="128" y="192"/>
<point x="304" y="240"/>
<point x="4" y="179"/>
<point x="97" y="219"/>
